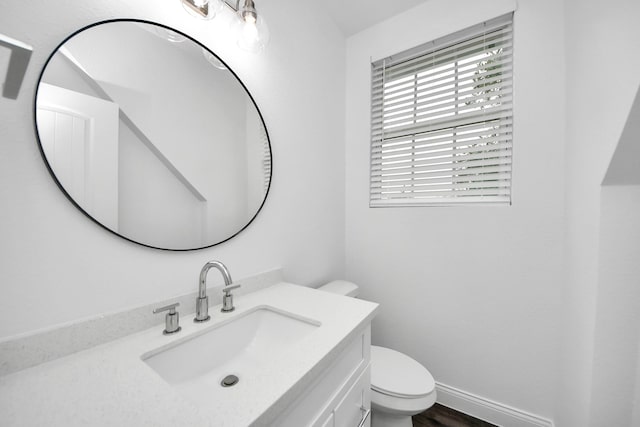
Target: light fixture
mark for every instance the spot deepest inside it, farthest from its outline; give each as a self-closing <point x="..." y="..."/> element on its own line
<point x="202" y="9"/>
<point x="248" y="27"/>
<point x="251" y="31"/>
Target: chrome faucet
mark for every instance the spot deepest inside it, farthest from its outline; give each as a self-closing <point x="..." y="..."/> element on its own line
<point x="171" y="320"/>
<point x="202" y="302"/>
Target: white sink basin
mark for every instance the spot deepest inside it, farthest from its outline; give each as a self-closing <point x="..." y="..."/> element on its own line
<point x="244" y="346"/>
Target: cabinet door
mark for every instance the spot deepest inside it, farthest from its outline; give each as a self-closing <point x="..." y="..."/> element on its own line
<point x="355" y="404"/>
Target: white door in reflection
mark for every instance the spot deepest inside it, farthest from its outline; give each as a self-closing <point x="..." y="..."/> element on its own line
<point x="79" y="135"/>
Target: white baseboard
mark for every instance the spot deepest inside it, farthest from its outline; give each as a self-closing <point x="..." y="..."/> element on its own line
<point x="488" y="410"/>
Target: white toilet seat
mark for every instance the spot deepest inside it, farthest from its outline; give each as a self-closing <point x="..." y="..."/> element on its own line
<point x="399" y="383"/>
<point x="397" y="375"/>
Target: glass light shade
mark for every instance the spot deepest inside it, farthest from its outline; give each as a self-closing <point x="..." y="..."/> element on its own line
<point x="202" y="9"/>
<point x="251" y="36"/>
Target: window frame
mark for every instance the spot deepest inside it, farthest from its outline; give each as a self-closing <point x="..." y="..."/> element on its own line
<point x="490" y="183"/>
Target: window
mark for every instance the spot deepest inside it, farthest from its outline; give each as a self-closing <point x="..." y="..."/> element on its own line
<point x="441" y="120"/>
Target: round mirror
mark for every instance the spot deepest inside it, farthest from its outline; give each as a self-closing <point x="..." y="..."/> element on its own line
<point x="152" y="136"/>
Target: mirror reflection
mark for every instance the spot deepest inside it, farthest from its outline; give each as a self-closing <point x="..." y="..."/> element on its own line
<point x="152" y="136"/>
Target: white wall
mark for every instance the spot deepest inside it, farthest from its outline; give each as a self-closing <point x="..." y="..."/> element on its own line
<point x="618" y="308"/>
<point x="603" y="73"/>
<point x="470" y="292"/>
<point x="58" y="266"/>
<point x="635" y="414"/>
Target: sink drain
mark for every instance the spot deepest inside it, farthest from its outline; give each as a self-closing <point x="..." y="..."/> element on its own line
<point x="229" y="380"/>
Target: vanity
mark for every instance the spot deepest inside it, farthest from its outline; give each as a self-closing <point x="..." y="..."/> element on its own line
<point x="301" y="358"/>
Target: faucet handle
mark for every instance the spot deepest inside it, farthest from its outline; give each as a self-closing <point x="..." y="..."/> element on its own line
<point x="171" y="308"/>
<point x="228" y="289"/>
<point x="171" y="320"/>
<point x="227" y="298"/>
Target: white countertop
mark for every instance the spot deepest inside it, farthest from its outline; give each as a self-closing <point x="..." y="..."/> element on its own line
<point x="110" y="385"/>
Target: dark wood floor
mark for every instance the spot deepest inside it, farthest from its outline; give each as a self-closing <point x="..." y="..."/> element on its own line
<point x="441" y="416"/>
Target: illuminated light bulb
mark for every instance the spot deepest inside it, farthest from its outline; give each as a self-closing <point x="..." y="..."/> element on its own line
<point x="249" y="32"/>
<point x="252" y="32"/>
<point x="248" y="12"/>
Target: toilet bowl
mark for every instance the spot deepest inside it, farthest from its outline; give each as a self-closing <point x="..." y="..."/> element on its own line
<point x="400" y="386"/>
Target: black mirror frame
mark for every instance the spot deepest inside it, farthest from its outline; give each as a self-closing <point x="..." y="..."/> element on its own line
<point x="59" y="184"/>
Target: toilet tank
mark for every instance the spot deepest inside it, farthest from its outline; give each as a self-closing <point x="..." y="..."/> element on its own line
<point x="341" y="287"/>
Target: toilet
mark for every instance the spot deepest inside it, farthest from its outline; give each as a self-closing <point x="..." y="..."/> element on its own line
<point x="400" y="386"/>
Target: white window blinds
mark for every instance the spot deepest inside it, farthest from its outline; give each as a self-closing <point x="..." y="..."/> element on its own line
<point x="266" y="159"/>
<point x="441" y="120"/>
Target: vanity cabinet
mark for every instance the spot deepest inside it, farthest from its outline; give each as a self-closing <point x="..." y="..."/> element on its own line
<point x="313" y="351"/>
<point x="340" y="396"/>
